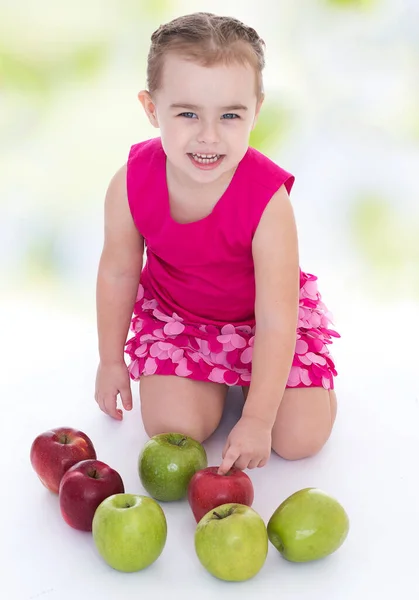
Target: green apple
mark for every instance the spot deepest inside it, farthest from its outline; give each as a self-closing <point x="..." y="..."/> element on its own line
<point x="167" y="463"/>
<point x="231" y="542"/>
<point x="129" y="531"/>
<point x="308" y="525"/>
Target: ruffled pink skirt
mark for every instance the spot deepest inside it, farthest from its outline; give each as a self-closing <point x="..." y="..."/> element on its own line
<point x="164" y="344"/>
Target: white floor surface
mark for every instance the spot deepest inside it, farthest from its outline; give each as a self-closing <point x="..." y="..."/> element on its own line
<point x="370" y="464"/>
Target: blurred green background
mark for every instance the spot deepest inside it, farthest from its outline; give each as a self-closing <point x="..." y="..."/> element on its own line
<point x="342" y="114"/>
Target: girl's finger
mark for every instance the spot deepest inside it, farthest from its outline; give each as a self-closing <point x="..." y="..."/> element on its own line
<point x="126" y="398"/>
<point x="228" y="461"/>
<point x="243" y="462"/>
<point x="111" y="409"/>
<point x="226" y="447"/>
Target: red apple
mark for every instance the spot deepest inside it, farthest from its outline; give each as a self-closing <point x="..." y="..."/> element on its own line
<point x="55" y="451"/>
<point x="207" y="490"/>
<point x="83" y="487"/>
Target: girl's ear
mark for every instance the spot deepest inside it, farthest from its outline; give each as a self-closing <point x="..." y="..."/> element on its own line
<point x="150" y="108"/>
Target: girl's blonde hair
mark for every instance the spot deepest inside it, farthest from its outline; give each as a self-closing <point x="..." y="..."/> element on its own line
<point x="206" y="39"/>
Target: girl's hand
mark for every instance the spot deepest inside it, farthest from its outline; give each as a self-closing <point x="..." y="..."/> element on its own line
<point x="111" y="380"/>
<point x="248" y="445"/>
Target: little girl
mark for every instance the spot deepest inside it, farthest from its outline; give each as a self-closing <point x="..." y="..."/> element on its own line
<point x="221" y="300"/>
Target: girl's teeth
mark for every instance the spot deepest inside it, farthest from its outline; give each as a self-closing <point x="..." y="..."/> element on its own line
<point x="206" y="159"/>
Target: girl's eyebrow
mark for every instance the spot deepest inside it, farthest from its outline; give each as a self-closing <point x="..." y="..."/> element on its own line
<point x="195" y="107"/>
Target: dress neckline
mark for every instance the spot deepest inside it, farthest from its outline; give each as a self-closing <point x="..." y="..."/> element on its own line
<point x="223" y="198"/>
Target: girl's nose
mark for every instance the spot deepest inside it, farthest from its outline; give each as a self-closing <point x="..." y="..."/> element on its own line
<point x="208" y="134"/>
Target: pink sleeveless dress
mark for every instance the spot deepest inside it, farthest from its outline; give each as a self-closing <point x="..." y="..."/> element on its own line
<point x="194" y="313"/>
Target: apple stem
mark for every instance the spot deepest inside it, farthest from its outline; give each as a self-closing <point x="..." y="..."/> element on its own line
<point x="227" y="514"/>
<point x="174" y="439"/>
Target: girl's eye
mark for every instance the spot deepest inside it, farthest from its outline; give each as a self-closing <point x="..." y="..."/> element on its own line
<point x="227" y="116"/>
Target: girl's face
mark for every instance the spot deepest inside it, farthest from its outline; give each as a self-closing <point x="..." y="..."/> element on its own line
<point x="205" y="116"/>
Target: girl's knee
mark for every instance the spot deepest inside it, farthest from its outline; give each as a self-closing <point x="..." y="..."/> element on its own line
<point x="297" y="449"/>
<point x="172" y="404"/>
<point x="195" y="430"/>
<point x="302" y="432"/>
